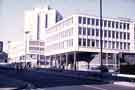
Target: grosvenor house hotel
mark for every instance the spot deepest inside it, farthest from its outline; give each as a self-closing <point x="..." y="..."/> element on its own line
<point x="75" y="40"/>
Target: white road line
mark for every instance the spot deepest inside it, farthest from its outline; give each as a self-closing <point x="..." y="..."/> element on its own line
<point x="94" y="87"/>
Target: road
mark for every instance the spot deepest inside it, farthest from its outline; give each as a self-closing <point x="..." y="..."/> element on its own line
<point x="41" y="79"/>
<point x="52" y="81"/>
<point x="92" y="87"/>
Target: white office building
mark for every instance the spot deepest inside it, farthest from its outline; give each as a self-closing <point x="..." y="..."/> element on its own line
<point x="32" y="49"/>
<point x="77" y="39"/>
<point x="37" y="20"/>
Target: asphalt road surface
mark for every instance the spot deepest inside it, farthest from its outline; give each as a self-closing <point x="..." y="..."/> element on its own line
<point x="92" y="87"/>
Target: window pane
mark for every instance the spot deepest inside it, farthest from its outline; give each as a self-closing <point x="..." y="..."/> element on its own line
<point x="117" y="24"/>
<point x="93" y="43"/>
<point x="105" y="23"/>
<point x="84" y="31"/>
<point x="120" y="25"/>
<point x="113" y="34"/>
<point x="88" y="21"/>
<point x="80" y="30"/>
<point x="124" y="26"/>
<point x="80" y="41"/>
<point x="109" y="33"/>
<point x="120" y="35"/>
<point x="93" y="32"/>
<point x="84" y="20"/>
<point x="112" y="24"/>
<point x="88" y="42"/>
<point x="105" y="33"/>
<point x="128" y="26"/>
<point x="124" y="35"/>
<point x="88" y="31"/>
<point x="128" y="36"/>
<point x="93" y="21"/>
<point x="109" y="23"/>
<point x="97" y="22"/>
<point x="80" y="19"/>
<point x="84" y="42"/>
<point x="97" y="32"/>
<point x="97" y="43"/>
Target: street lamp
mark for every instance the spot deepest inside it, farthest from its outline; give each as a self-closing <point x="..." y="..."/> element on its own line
<point x="26" y="33"/>
<point x="101" y="34"/>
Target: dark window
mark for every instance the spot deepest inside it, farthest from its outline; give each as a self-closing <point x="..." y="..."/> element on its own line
<point x="97" y="22"/>
<point x="105" y="44"/>
<point x="124" y="35"/>
<point x="84" y="31"/>
<point x="117" y="45"/>
<point x="105" y="23"/>
<point x="127" y="26"/>
<point x="120" y="25"/>
<point x="80" y="40"/>
<point x="84" y="42"/>
<point x="109" y="33"/>
<point x="80" y="20"/>
<point x="84" y="20"/>
<point x="93" y="32"/>
<point x="112" y="24"/>
<point x="124" y="45"/>
<point x="117" y="25"/>
<point x="120" y="45"/>
<point x="88" y="31"/>
<point x="97" y="32"/>
<point x="88" y="42"/>
<point x="80" y="30"/>
<point x="113" y="34"/>
<point x="105" y="33"/>
<point x="93" y="43"/>
<point x="117" y="35"/>
<point x="120" y="35"/>
<point x="46" y="21"/>
<point x="88" y="21"/>
<point x="128" y="36"/>
<point x="109" y="23"/>
<point x="113" y="44"/>
<point x="128" y="45"/>
<point x="93" y="21"/>
<point x="124" y="26"/>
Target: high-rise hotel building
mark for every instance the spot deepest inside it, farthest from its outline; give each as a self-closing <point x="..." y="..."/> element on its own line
<point x="77" y="38"/>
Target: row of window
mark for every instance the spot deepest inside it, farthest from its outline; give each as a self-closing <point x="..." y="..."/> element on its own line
<point x="36" y="49"/>
<point x="105" y="23"/>
<point x="36" y="43"/>
<point x="61" y="25"/>
<point x="106" y="44"/>
<point x="63" y="34"/>
<point x="106" y="33"/>
<point x="60" y="45"/>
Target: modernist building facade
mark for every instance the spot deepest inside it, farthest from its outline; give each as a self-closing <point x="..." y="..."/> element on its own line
<point x="64" y="43"/>
<point x="77" y="38"/>
<point x="32" y="49"/>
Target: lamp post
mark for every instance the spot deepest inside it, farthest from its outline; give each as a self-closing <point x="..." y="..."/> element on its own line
<point x="101" y="34"/>
<point x="26" y="33"/>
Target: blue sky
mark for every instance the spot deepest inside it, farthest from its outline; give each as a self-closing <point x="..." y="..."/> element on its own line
<point x="12" y="11"/>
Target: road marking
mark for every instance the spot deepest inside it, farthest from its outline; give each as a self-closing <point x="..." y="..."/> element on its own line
<point x="94" y="87"/>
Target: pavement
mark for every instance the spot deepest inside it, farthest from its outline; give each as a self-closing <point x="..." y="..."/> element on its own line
<point x="123" y="83"/>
